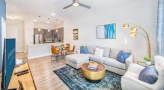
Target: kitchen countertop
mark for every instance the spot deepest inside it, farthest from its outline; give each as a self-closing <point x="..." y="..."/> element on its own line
<point x="46" y="44"/>
<point x="40" y="50"/>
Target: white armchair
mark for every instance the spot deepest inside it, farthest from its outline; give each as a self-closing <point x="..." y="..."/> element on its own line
<point x="129" y="61"/>
<point x="130" y="80"/>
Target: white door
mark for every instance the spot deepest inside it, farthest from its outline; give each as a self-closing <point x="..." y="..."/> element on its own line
<point x="12" y="32"/>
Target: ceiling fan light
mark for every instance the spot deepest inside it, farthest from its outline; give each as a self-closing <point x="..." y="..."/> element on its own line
<point x="76" y="4"/>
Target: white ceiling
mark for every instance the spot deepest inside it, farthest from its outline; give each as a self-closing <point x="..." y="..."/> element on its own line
<point x="31" y="9"/>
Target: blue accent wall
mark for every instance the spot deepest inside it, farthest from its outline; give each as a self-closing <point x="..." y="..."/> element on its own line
<point x="2" y="14"/>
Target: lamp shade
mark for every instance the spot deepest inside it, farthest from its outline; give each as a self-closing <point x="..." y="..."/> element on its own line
<point x="126" y="25"/>
<point x="133" y="34"/>
<point x="133" y="29"/>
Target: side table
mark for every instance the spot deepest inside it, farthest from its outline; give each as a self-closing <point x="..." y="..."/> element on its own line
<point x="142" y="63"/>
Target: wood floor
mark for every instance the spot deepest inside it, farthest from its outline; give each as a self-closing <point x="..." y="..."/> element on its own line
<point x="44" y="77"/>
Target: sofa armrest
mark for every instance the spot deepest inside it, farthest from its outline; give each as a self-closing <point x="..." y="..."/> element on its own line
<point x="135" y="68"/>
<point x="129" y="61"/>
<point x="131" y="83"/>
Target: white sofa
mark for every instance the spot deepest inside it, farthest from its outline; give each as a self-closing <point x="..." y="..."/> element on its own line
<point x="130" y="80"/>
<point x="108" y="59"/>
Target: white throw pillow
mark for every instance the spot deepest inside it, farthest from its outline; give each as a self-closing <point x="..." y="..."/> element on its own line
<point x="98" y="52"/>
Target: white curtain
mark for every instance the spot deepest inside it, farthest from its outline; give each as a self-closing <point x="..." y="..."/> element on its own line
<point x="160" y="31"/>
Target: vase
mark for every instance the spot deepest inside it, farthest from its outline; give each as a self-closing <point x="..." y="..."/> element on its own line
<point x="148" y="62"/>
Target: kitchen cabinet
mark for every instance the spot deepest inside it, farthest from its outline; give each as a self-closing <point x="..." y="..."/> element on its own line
<point x="49" y="36"/>
<point x="36" y="31"/>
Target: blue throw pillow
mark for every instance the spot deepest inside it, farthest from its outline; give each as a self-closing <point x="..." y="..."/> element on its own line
<point x="122" y="56"/>
<point x="84" y="50"/>
<point x="149" y="75"/>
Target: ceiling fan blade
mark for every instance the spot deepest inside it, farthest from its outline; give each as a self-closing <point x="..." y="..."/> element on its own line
<point x="67" y="6"/>
<point x="83" y="5"/>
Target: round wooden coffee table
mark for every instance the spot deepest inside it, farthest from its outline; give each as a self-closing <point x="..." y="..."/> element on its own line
<point x="93" y="75"/>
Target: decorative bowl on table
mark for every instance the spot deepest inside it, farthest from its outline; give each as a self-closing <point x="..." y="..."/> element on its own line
<point x="93" y="75"/>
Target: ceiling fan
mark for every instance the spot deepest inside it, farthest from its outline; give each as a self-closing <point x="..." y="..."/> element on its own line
<point x="76" y="3"/>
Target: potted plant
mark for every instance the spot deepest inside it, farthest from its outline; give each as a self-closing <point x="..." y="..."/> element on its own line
<point x="81" y="47"/>
<point x="147" y="60"/>
<point x="62" y="45"/>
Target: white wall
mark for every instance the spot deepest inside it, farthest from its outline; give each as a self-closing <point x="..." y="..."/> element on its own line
<point x="20" y="32"/>
<point x="141" y="12"/>
<point x="61" y="25"/>
<point x="29" y="33"/>
<point x="66" y="31"/>
<point x="43" y="26"/>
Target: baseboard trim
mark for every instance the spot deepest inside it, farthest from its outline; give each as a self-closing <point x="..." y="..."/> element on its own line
<point x="38" y="56"/>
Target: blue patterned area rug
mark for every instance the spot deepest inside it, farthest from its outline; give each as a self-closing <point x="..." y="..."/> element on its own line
<point x="74" y="79"/>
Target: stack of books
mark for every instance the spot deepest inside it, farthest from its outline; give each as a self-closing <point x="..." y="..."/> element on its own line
<point x="92" y="65"/>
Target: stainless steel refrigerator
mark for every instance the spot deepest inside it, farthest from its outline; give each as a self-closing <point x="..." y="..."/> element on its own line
<point x="38" y="39"/>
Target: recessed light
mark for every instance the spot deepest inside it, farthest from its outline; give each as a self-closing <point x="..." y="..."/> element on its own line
<point x="35" y="20"/>
<point x="53" y="14"/>
<point x="11" y="17"/>
<point x="48" y="22"/>
<point x="39" y="29"/>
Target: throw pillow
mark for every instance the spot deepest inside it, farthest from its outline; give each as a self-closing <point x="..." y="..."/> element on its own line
<point x="83" y="50"/>
<point x="149" y="75"/>
<point x="122" y="56"/>
<point x="98" y="52"/>
<point x="91" y="49"/>
<point x="105" y="52"/>
<point x="114" y="52"/>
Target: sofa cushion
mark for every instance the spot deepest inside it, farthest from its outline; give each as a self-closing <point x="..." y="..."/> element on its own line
<point x="91" y="49"/>
<point x="114" y="52"/>
<point x="122" y="56"/>
<point x="113" y="62"/>
<point x="98" y="52"/>
<point x="106" y="51"/>
<point x="78" y="58"/>
<point x="96" y="58"/>
<point x="149" y="75"/>
<point x="84" y="50"/>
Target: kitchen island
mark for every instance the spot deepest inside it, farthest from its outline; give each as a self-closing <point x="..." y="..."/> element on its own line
<point x="40" y="50"/>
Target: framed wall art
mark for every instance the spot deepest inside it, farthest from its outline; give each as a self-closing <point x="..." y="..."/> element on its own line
<point x="75" y="34"/>
<point x="107" y="31"/>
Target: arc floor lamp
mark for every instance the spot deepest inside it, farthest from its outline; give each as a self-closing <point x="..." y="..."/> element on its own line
<point x="133" y="33"/>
